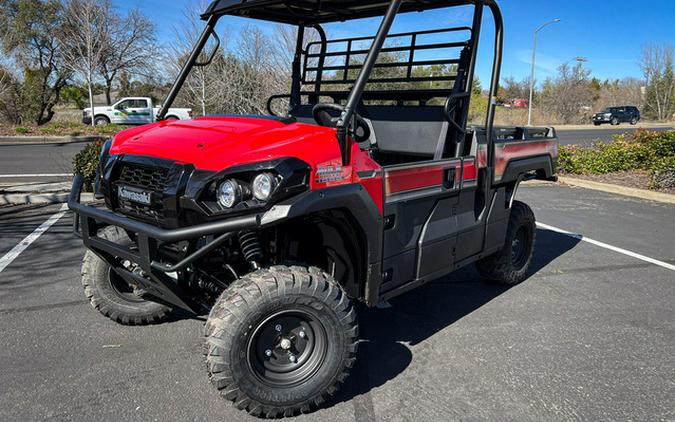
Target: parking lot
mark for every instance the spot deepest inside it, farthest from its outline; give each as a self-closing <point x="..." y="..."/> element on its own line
<point x="589" y="336"/>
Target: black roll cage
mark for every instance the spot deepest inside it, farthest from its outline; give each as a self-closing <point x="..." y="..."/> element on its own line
<point x="310" y="14"/>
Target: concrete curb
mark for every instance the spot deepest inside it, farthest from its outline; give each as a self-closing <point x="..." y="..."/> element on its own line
<point x="40" y="198"/>
<point x="41" y="140"/>
<point x="619" y="190"/>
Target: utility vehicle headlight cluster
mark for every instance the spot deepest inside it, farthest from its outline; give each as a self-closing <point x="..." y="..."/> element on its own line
<point x="233" y="191"/>
<point x="229" y="193"/>
<point x="263" y="186"/>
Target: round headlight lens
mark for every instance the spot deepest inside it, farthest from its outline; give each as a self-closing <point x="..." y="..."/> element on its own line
<point x="229" y="193"/>
<point x="263" y="186"/>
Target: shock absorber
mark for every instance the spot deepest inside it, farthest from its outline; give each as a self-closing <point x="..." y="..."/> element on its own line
<point x="251" y="248"/>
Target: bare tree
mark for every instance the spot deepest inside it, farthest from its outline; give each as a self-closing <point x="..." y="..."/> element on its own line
<point x="511" y="88"/>
<point x="657" y="66"/>
<point x="627" y="91"/>
<point x="130" y="46"/>
<point x="80" y="36"/>
<point x="567" y="96"/>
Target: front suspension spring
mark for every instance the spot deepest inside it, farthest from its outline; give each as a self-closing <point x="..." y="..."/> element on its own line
<point x="251" y="248"/>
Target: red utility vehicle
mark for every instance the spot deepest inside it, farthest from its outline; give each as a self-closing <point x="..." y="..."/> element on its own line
<point x="373" y="184"/>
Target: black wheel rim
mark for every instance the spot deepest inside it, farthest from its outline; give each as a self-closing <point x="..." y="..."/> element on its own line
<point x="122" y="288"/>
<point x="520" y="248"/>
<point x="287" y="348"/>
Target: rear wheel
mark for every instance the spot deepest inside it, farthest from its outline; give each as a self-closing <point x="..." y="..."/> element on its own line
<point x="111" y="295"/>
<point x="634" y="121"/>
<point x="101" y="121"/>
<point x="511" y="264"/>
<point x="280" y="340"/>
<point x="615" y="121"/>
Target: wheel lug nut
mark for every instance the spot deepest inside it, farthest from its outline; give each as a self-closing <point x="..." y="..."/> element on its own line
<point x="268" y="353"/>
<point x="278" y="327"/>
<point x="302" y="334"/>
<point x="292" y="358"/>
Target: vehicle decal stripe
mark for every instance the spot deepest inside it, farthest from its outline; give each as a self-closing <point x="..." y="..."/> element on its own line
<point x="407" y="179"/>
<point x="420" y="179"/>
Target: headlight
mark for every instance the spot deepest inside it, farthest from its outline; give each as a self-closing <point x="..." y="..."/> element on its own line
<point x="229" y="193"/>
<point x="263" y="186"/>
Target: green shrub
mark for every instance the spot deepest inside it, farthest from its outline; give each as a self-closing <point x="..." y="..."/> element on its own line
<point x="22" y="130"/>
<point x="640" y="152"/>
<point x="86" y="163"/>
<point x="663" y="173"/>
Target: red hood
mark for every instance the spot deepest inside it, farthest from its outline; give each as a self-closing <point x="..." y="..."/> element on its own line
<point x="216" y="143"/>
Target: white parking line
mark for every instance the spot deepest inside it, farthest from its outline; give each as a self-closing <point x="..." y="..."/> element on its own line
<point x="25" y="243"/>
<point x="9" y="176"/>
<point x="610" y="247"/>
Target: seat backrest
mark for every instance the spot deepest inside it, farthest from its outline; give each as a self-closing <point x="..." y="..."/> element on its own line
<point x="410" y="130"/>
<point x="413" y="130"/>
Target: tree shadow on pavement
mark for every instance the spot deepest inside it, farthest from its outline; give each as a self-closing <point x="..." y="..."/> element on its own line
<point x="423" y="312"/>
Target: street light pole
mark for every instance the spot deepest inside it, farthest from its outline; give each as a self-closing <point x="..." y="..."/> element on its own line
<point x="534" y="58"/>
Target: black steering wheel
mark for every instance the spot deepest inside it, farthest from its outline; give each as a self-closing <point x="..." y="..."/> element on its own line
<point x="323" y="118"/>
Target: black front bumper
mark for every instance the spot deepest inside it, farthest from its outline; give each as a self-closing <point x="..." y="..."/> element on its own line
<point x="159" y="283"/>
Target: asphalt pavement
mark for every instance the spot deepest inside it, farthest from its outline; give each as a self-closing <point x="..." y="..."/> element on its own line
<point x="586" y="137"/>
<point x="589" y="336"/>
<point x="39" y="162"/>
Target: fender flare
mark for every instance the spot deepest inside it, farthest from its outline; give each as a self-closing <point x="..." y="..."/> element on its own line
<point x="354" y="199"/>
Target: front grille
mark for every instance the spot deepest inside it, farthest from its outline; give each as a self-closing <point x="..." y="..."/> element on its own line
<point x="153" y="214"/>
<point x="152" y="179"/>
<point x="144" y="177"/>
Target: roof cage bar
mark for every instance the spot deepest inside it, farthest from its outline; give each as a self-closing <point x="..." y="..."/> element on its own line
<point x="345" y="118"/>
<point x="397" y="35"/>
<point x="392" y="49"/>
<point x="386" y="65"/>
<point x="441" y="78"/>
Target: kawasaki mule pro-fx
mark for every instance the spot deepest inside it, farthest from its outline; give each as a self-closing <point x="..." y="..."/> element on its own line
<point x="371" y="185"/>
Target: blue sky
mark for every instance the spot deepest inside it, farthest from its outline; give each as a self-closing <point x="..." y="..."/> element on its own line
<point x="608" y="33"/>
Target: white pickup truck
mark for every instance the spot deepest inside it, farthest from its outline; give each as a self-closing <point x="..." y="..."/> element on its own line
<point x="131" y="111"/>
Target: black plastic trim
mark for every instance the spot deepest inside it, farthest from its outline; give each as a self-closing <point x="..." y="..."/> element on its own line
<point x="516" y="168"/>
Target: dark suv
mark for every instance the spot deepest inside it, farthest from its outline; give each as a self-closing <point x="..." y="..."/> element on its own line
<point x="617" y="115"/>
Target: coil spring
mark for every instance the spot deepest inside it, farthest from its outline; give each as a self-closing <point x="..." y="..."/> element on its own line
<point x="250" y="247"/>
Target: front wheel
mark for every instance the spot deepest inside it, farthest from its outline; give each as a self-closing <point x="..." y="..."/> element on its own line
<point x="111" y="295"/>
<point x="511" y="264"/>
<point x="280" y="340"/>
<point x="615" y="121"/>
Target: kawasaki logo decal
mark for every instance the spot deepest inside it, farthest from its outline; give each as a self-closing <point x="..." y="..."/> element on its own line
<point x="134" y="195"/>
